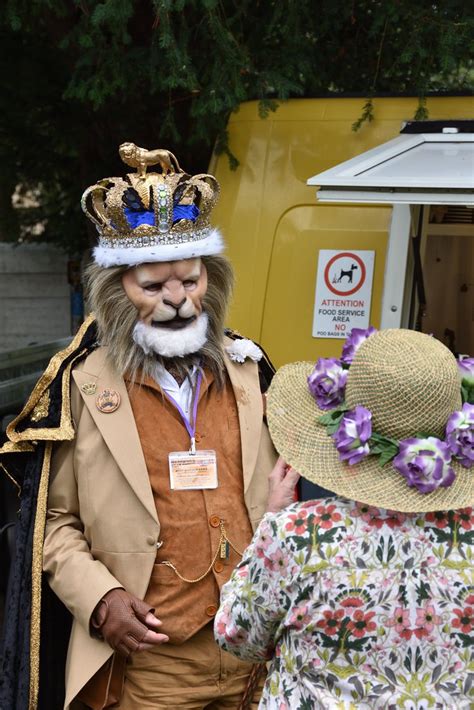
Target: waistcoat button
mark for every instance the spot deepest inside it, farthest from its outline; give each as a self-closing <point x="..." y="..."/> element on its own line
<point x="211" y="610"/>
<point x="214" y="521"/>
<point x="218" y="567"/>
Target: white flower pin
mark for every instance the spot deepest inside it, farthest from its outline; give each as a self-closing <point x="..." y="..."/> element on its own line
<point x="240" y="350"/>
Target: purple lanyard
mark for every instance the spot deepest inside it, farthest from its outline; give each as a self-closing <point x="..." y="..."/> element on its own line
<point x="190" y="429"/>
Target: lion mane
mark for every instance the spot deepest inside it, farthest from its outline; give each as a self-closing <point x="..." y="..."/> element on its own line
<point x="116" y="317"/>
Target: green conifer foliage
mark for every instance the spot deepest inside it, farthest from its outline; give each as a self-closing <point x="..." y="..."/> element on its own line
<point x="81" y="76"/>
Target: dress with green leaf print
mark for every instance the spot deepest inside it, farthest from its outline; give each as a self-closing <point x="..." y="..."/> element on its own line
<point x="357" y="607"/>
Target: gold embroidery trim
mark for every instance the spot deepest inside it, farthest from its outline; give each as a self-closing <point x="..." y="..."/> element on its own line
<point x="36" y="571"/>
<point x="65" y="429"/>
<point x="223" y="539"/>
<point x="13" y="480"/>
<point x="15" y="447"/>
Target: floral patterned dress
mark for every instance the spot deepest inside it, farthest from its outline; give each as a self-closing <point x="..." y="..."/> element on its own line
<point x="356" y="607"/>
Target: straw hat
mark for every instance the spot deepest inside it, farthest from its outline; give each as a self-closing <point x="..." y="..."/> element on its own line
<point x="410" y="383"/>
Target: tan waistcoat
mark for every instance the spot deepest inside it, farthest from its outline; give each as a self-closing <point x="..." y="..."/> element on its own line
<point x="190" y="520"/>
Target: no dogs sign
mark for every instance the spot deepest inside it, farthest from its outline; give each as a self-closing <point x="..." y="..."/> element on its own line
<point x="343" y="292"/>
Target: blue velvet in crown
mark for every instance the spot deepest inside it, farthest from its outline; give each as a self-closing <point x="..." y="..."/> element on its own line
<point x="142" y="216"/>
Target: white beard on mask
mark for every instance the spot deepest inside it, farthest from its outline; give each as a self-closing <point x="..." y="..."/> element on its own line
<point x="172" y="343"/>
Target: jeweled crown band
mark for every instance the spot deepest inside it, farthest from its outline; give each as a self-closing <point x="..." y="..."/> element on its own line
<point x="149" y="240"/>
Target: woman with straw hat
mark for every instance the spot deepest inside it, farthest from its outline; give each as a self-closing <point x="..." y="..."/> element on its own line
<point x="366" y="599"/>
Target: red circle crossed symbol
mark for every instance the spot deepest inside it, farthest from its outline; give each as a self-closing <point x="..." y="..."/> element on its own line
<point x="349" y="255"/>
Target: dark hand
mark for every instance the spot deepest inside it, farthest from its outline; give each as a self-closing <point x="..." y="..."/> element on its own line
<point x="126" y="623"/>
<point x="282" y="481"/>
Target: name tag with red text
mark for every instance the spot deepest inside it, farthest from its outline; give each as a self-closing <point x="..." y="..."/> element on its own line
<point x="191" y="472"/>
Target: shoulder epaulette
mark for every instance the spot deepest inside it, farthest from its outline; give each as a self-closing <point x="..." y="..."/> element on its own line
<point x="47" y="414"/>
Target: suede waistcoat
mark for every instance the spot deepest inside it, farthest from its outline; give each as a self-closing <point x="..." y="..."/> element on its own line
<point x="190" y="520"/>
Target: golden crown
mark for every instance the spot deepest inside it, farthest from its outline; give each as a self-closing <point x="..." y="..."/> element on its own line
<point x="146" y="217"/>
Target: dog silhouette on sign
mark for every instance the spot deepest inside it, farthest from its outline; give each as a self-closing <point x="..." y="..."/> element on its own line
<point x="345" y="272"/>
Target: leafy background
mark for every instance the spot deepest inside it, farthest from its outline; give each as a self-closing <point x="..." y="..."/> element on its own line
<point x="81" y="76"/>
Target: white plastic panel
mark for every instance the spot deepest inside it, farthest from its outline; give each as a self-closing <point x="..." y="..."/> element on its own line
<point x="429" y="161"/>
<point x="429" y="164"/>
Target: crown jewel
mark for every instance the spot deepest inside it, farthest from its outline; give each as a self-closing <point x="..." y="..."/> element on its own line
<point x="152" y="216"/>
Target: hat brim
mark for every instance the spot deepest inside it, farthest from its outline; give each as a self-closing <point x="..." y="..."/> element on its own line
<point x="293" y="418"/>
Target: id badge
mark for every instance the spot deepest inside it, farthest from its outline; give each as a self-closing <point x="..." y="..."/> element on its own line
<point x="191" y="472"/>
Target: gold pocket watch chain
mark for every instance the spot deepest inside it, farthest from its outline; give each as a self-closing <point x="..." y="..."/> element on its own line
<point x="221" y="552"/>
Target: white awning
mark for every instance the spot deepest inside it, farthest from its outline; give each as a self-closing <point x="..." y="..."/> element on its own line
<point x="415" y="168"/>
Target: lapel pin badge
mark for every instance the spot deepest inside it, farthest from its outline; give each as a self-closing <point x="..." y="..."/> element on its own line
<point x="89" y="387"/>
<point x="108" y="401"/>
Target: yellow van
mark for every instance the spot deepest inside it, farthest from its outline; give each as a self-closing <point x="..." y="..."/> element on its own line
<point x="275" y="228"/>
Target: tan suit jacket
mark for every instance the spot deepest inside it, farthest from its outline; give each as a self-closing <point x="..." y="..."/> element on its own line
<point x="102" y="526"/>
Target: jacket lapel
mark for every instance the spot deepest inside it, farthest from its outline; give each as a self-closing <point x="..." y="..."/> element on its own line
<point x="120" y="434"/>
<point x="117" y="428"/>
<point x="246" y="386"/>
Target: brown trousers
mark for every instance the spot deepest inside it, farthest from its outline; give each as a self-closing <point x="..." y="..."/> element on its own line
<point x="192" y="676"/>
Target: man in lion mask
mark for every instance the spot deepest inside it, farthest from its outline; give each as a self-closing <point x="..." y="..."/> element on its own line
<point x="159" y="470"/>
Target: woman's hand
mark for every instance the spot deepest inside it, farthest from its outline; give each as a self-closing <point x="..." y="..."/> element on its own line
<point x="282" y="481"/>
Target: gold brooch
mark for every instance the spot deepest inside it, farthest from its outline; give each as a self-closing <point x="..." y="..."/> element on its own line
<point x="42" y="408"/>
<point x="89" y="387"/>
<point x="108" y="401"/>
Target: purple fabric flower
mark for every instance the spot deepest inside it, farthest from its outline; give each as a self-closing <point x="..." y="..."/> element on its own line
<point x="425" y="463"/>
<point x="353" y="435"/>
<point x="466" y="369"/>
<point x="327" y="382"/>
<point x="354" y="341"/>
<point x="460" y="435"/>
